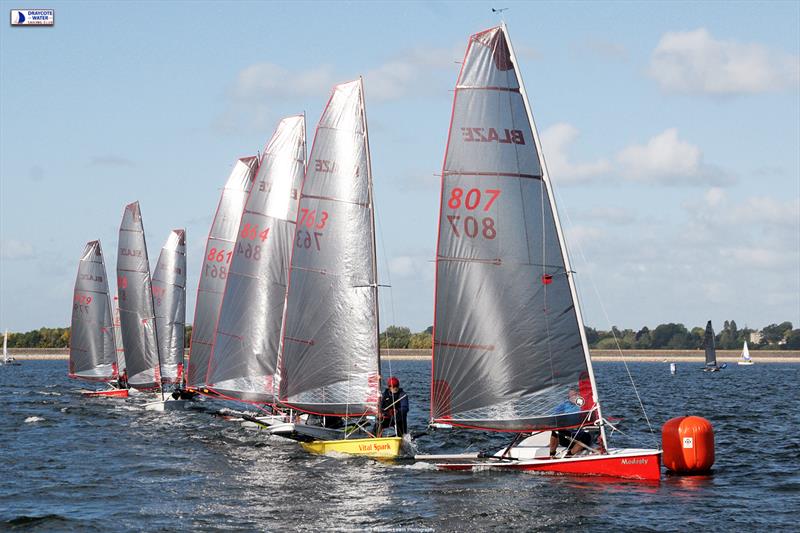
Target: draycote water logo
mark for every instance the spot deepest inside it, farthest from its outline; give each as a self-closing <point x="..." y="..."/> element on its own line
<point x="33" y="17"/>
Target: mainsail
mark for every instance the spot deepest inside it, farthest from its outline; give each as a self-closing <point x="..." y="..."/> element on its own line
<point x="245" y="353"/>
<point x="745" y="352"/>
<point x="169" y="300"/>
<point x="329" y="362"/>
<point x="710" y="346"/>
<point x="92" y="349"/>
<point x="509" y="344"/>
<point x="136" y="313"/>
<point x="214" y="271"/>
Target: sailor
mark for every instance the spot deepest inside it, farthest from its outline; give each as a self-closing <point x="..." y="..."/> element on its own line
<point x="394" y="408"/>
<point x="576" y="440"/>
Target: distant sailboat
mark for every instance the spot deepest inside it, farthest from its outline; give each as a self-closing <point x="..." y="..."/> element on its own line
<point x="746" y="360"/>
<point x="330" y="364"/>
<point x="137" y="315"/>
<point x="711" y="350"/>
<point x="245" y="353"/>
<point x="214" y="270"/>
<point x="509" y="346"/>
<point x="6" y="359"/>
<point x="92" y="346"/>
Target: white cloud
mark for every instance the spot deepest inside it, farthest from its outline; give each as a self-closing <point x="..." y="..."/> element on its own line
<point x="610" y="215"/>
<point x="761" y="257"/>
<point x="13" y="250"/>
<point x="696" y="62"/>
<point x="412" y="266"/>
<point x="766" y="210"/>
<point x="268" y="80"/>
<point x="668" y="160"/>
<point x="555" y="143"/>
<point x="714" y="196"/>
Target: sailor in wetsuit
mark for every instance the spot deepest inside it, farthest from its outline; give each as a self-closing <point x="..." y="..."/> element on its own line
<point x="394" y="408"/>
<point x="576" y="440"/>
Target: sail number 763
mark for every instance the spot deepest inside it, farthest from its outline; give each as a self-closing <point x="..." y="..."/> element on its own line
<point x="472" y="200"/>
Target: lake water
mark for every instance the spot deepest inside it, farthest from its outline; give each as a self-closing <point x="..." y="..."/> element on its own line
<point x="70" y="463"/>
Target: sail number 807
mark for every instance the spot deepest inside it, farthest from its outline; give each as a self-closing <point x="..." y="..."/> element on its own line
<point x="472" y="200"/>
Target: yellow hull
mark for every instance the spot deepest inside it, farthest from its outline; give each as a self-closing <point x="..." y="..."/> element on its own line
<point x="386" y="447"/>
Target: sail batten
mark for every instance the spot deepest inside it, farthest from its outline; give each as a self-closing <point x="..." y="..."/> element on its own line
<point x="329" y="362"/>
<point x="214" y="269"/>
<point x="508" y="347"/>
<point x="245" y="352"/>
<point x="92" y="354"/>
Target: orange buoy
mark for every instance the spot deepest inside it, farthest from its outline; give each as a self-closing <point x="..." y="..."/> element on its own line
<point x="688" y="444"/>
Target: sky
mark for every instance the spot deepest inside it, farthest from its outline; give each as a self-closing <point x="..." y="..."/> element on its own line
<point x="671" y="131"/>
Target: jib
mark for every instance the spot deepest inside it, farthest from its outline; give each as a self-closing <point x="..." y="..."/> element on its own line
<point x="484" y="135"/>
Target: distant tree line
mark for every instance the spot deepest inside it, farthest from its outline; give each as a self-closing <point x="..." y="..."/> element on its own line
<point x="664" y="337"/>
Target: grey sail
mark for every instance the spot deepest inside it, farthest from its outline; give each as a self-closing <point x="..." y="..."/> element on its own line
<point x="329" y="362"/>
<point x="169" y="301"/>
<point x="710" y="346"/>
<point x="508" y="338"/>
<point x="136" y="313"/>
<point x="214" y="270"/>
<point x="92" y="349"/>
<point x="245" y="353"/>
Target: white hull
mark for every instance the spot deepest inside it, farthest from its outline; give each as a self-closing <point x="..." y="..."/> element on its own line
<point x="746" y="363"/>
<point x="168" y="404"/>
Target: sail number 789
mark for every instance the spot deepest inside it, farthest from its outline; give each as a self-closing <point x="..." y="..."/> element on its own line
<point x="472" y="200"/>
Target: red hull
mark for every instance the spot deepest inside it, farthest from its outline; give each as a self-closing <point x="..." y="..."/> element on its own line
<point x="115" y="393"/>
<point x="645" y="466"/>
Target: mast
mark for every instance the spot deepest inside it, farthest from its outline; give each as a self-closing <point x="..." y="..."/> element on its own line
<point x="559" y="231"/>
<point x="372" y="222"/>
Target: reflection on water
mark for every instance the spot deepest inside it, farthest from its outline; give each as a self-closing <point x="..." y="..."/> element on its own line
<point x="89" y="463"/>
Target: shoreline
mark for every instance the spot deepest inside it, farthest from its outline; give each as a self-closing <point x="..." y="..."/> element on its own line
<point x="598" y="356"/>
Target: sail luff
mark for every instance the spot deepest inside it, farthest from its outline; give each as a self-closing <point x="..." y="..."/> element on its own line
<point x="372" y="223"/>
<point x="149" y="297"/>
<point x="559" y="230"/>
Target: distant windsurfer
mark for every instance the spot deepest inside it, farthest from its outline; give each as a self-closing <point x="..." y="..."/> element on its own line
<point x="394" y="408"/>
<point x="574" y="440"/>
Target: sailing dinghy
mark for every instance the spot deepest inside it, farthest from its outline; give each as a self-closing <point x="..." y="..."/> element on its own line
<point x="509" y="347"/>
<point x="169" y="302"/>
<point x="710" y="346"/>
<point x="92" y="346"/>
<point x="214" y="270"/>
<point x="244" y="355"/>
<point x="136" y="309"/>
<point x="746" y="360"/>
<point x="330" y="364"/>
<point x="8" y="361"/>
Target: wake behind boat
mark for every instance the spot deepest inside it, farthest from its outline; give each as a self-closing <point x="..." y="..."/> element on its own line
<point x="509" y="347"/>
